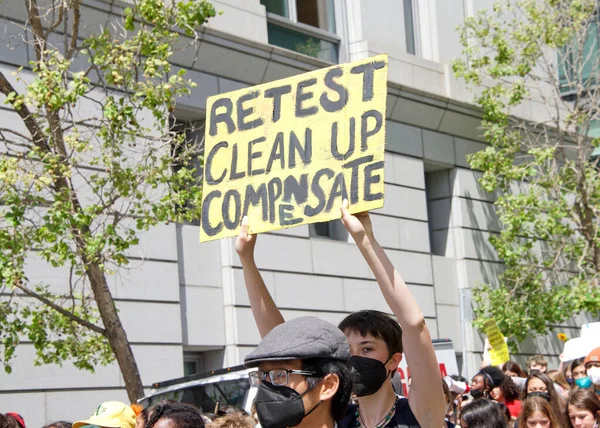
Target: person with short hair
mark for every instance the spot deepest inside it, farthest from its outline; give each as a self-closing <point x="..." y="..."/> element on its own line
<point x="110" y="414"/>
<point x="303" y="375"/>
<point x="583" y="409"/>
<point x="376" y="340"/>
<point x="171" y="414"/>
<point x="537" y="362"/>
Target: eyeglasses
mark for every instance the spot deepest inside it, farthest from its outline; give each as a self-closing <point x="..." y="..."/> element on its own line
<point x="277" y="377"/>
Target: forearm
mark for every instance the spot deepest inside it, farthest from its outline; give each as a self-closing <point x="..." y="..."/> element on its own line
<point x="266" y="314"/>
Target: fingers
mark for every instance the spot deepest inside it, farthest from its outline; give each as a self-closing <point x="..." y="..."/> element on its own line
<point x="245" y="227"/>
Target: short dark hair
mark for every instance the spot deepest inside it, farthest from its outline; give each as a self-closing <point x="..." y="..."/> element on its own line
<point x="183" y="415"/>
<point x="377" y="324"/>
<point x="575" y="363"/>
<point x="492" y="377"/>
<point x="59" y="424"/>
<point x="483" y="414"/>
<point x="323" y="367"/>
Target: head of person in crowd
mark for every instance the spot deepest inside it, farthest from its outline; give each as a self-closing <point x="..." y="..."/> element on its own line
<point x="537" y="362"/>
<point x="8" y="422"/>
<point x="506" y="392"/>
<point x="303" y="374"/>
<point x="141" y="415"/>
<point x="59" y="424"/>
<point x="483" y="382"/>
<point x="482" y="414"/>
<point x="375" y="341"/>
<point x="17" y="418"/>
<point x="583" y="409"/>
<point x="559" y="378"/>
<point x="512" y="369"/>
<point x="566" y="370"/>
<point x="505" y="411"/>
<point x="234" y="420"/>
<point x="110" y="414"/>
<point x="579" y="374"/>
<point x="592" y="368"/>
<point x="538" y="413"/>
<point x="540" y="385"/>
<point x="170" y="414"/>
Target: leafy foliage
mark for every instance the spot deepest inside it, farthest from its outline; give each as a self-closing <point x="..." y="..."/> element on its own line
<point x="547" y="186"/>
<point x="98" y="163"/>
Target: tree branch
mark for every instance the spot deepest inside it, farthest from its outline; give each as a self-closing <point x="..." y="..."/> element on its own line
<point x="61" y="310"/>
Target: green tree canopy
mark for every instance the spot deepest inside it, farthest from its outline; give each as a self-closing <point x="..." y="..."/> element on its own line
<point x="88" y="162"/>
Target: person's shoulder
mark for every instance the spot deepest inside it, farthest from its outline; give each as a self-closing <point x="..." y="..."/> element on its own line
<point x="403" y="416"/>
<point x="349" y="419"/>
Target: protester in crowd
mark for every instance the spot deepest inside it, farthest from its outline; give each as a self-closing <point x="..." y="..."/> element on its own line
<point x="583" y="409"/>
<point x="485" y="380"/>
<point x="512" y="369"/>
<point x="7" y="421"/>
<point x="448" y="401"/>
<point x="110" y="414"/>
<point x="60" y="424"/>
<point x="538" y="413"/>
<point x="566" y="371"/>
<point x="508" y="393"/>
<point x="303" y="375"/>
<point x="458" y="386"/>
<point x="376" y="340"/>
<point x="579" y="374"/>
<point x="592" y="369"/>
<point x="234" y="420"/>
<point x="540" y="385"/>
<point x="170" y="414"/>
<point x="141" y="415"/>
<point x="537" y="362"/>
<point x="482" y="414"/>
<point x="17" y="417"/>
<point x="559" y="379"/>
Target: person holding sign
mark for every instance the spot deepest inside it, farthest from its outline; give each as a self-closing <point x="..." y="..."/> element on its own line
<point x="376" y="340"/>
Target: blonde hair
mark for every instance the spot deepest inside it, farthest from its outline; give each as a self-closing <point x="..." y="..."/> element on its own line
<point x="234" y="420"/>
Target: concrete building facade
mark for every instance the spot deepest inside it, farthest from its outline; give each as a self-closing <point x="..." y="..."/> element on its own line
<point x="184" y="304"/>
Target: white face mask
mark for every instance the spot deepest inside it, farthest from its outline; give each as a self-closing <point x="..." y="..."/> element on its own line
<point x="594" y="375"/>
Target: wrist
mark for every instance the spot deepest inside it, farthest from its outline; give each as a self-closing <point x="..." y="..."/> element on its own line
<point x="247" y="260"/>
<point x="365" y="240"/>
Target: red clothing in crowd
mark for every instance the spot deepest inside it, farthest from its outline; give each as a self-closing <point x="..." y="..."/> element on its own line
<point x="514" y="407"/>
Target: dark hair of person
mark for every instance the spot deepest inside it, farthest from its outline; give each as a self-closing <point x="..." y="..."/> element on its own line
<point x="511" y="366"/>
<point x="459" y="378"/>
<point x="555" y="401"/>
<point x="583" y="399"/>
<point x="575" y="363"/>
<point x="492" y="377"/>
<point x="3" y="421"/>
<point x="483" y="414"/>
<point x="505" y="411"/>
<point x="509" y="389"/>
<point x="323" y="367"/>
<point x="538" y="404"/>
<point x="376" y="324"/>
<point x="59" y="424"/>
<point x="182" y="415"/>
<point x="10" y="422"/>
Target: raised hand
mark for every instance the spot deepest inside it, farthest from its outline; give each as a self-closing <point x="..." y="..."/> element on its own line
<point x="359" y="224"/>
<point x="245" y="243"/>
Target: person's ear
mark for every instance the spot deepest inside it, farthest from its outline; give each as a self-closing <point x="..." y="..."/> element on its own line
<point x="394" y="361"/>
<point x="329" y="386"/>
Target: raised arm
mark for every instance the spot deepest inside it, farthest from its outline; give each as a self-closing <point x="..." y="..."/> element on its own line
<point x="265" y="312"/>
<point x="426" y="398"/>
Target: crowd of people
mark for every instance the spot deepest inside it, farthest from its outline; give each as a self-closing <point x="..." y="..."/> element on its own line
<point x="310" y="373"/>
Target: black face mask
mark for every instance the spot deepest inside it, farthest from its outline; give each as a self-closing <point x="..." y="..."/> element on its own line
<point x="476" y="393"/>
<point x="542" y="394"/>
<point x="279" y="406"/>
<point x="368" y="375"/>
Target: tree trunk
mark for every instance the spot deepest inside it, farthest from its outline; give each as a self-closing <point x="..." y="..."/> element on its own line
<point x="117" y="338"/>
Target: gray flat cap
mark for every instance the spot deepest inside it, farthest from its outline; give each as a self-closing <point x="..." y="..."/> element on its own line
<point x="301" y="338"/>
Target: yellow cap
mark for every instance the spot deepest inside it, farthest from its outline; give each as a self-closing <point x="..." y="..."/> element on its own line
<point x="111" y="414"/>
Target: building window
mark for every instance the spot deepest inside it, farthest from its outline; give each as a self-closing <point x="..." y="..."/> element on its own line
<point x="409" y="27"/>
<point x="333" y="230"/>
<point x="303" y="26"/>
<point x="192" y="363"/>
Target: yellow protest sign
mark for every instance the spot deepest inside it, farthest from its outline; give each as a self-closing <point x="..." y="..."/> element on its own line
<point x="499" y="352"/>
<point x="288" y="152"/>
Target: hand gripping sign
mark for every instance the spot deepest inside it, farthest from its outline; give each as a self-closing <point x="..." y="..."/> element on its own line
<point x="288" y="152"/>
